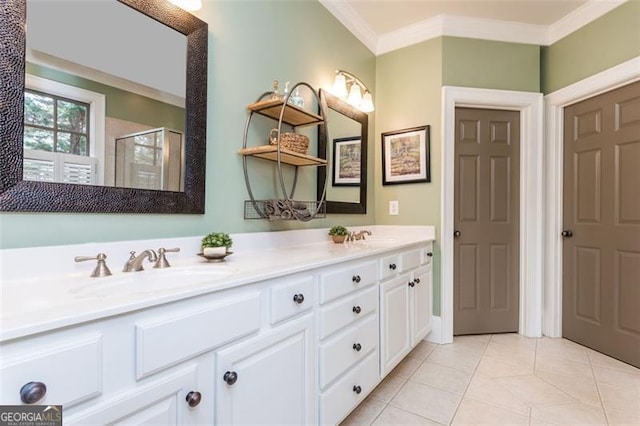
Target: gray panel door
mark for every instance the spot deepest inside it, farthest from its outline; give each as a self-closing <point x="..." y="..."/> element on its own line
<point x="601" y="249"/>
<point x="486" y="222"/>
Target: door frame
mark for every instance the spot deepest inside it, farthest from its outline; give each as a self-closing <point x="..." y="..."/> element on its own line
<point x="530" y="106"/>
<point x="607" y="80"/>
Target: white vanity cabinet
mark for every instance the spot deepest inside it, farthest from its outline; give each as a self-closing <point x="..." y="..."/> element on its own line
<point x="304" y="347"/>
<point x="405" y="304"/>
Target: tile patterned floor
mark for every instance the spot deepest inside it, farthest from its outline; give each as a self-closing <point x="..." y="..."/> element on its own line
<point x="504" y="379"/>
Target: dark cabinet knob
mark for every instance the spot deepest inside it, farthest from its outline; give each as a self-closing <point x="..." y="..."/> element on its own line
<point x="567" y="233"/>
<point x="194" y="398"/>
<point x="356" y="309"/>
<point x="456" y="234"/>
<point x="32" y="392"/>
<point x="392" y="266"/>
<point x="357" y="347"/>
<point x="356" y="279"/>
<point x="357" y="389"/>
<point x="230" y="377"/>
<point x="298" y="298"/>
<point x="430" y="254"/>
<point x="412" y="284"/>
<point x="417" y="281"/>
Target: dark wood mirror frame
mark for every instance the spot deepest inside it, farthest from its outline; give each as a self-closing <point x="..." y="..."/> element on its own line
<point x="17" y="194"/>
<point x="329" y="101"/>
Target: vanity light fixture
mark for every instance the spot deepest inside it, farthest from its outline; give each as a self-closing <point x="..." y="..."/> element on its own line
<point x="349" y="87"/>
<point x="188" y="5"/>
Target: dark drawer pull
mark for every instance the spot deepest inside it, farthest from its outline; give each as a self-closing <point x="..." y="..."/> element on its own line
<point x="417" y="281"/>
<point x="412" y="284"/>
<point x="357" y="389"/>
<point x="430" y="254"/>
<point x="298" y="298"/>
<point x="356" y="309"/>
<point x="230" y="377"/>
<point x="194" y="398"/>
<point x="357" y="347"/>
<point x="32" y="392"/>
<point x="356" y="279"/>
<point x="392" y="266"/>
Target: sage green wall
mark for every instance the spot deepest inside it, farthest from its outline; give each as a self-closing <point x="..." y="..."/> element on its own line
<point x="490" y="64"/>
<point x="408" y="91"/>
<point x="608" y="41"/>
<point x="120" y="103"/>
<point x="250" y="44"/>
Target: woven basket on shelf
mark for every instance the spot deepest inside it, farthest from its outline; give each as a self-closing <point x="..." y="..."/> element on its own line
<point x="292" y="141"/>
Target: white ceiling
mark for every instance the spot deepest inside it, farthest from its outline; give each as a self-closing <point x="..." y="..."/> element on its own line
<point x="385" y="25"/>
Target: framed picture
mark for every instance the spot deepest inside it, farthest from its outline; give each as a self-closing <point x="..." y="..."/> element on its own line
<point x="405" y="156"/>
<point x="346" y="162"/>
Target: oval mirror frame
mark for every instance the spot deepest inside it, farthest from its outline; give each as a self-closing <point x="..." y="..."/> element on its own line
<point x="329" y="101"/>
<point x="17" y="194"/>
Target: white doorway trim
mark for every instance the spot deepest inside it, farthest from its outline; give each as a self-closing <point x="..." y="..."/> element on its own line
<point x="530" y="106"/>
<point x="617" y="76"/>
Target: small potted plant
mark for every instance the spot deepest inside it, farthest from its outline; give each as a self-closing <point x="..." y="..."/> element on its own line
<point x="216" y="243"/>
<point x="338" y="233"/>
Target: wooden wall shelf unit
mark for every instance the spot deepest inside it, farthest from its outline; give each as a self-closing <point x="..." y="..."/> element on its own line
<point x="293" y="115"/>
<point x="270" y="152"/>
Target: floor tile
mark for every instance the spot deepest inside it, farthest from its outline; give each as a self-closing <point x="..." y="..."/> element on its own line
<point x="406" y="367"/>
<point x="492" y="367"/>
<point x="606" y="361"/>
<point x="395" y="416"/>
<point x="564" y="366"/>
<point x="621" y="400"/>
<point x="388" y="388"/>
<point x="426" y="401"/>
<point x="365" y="413"/>
<point x="490" y="391"/>
<point x="422" y="350"/>
<point x="617" y="377"/>
<point x="442" y="377"/>
<point x="515" y="354"/>
<point x="562" y="348"/>
<point x="534" y="391"/>
<point x="617" y="418"/>
<point x="513" y="339"/>
<point x="570" y="414"/>
<point x="469" y="344"/>
<point x="472" y="412"/>
<point x="454" y="358"/>
<point x="582" y="389"/>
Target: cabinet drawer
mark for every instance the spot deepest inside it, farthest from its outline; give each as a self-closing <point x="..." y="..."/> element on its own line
<point x="341" y="398"/>
<point x="344" y="312"/>
<point x="427" y="254"/>
<point x="389" y="266"/>
<point x="411" y="259"/>
<point x="347" y="280"/>
<point x="71" y="372"/>
<point x="340" y="353"/>
<point x="291" y="298"/>
<point x="166" y="341"/>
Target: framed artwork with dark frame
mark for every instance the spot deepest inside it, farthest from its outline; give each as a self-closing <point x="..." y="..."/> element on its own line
<point x="346" y="161"/>
<point x="406" y="156"/>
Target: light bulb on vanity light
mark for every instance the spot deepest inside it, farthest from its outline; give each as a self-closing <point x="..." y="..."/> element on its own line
<point x="367" y="102"/>
<point x="189" y="5"/>
<point x="355" y="95"/>
<point x="340" y="86"/>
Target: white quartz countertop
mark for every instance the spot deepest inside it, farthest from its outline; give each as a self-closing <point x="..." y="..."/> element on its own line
<point x="32" y="304"/>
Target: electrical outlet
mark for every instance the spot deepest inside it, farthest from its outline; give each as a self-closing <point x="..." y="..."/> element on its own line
<point x="394" y="208"/>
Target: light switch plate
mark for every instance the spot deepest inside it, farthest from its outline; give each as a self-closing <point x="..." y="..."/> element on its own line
<point x="394" y="208"/>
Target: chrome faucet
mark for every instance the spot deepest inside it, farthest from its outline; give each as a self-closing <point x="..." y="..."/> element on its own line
<point x="358" y="236"/>
<point x="134" y="263"/>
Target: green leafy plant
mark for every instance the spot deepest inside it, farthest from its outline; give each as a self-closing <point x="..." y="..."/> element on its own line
<point x="217" y="239"/>
<point x="338" y="230"/>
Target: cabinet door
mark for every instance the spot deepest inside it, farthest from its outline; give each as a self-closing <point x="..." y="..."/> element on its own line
<point x="395" y="325"/>
<point x="162" y="402"/>
<point x="421" y="304"/>
<point x="269" y="379"/>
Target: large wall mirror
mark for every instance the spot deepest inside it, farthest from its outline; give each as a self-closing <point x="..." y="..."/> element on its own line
<point x="105" y="109"/>
<point x="345" y="146"/>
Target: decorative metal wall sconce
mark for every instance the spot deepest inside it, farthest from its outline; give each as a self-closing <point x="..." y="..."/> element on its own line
<point x="350" y="88"/>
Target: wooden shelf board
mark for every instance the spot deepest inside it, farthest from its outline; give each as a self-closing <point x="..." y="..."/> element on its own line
<point x="270" y="152"/>
<point x="293" y="115"/>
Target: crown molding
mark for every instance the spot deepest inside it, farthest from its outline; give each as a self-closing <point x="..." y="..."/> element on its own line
<point x="580" y="17"/>
<point x="458" y="26"/>
<point x="344" y="13"/>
